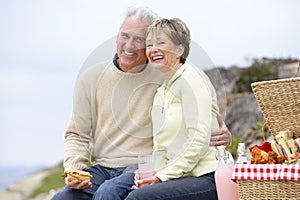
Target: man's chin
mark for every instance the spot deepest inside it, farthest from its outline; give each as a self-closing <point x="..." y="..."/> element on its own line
<point x="130" y="63"/>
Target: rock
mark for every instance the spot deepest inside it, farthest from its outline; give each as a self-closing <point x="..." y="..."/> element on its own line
<point x="288" y="70"/>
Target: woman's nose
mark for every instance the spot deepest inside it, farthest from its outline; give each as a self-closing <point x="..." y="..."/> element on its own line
<point x="154" y="48"/>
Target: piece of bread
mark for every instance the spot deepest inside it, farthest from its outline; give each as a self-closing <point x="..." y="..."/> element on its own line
<point x="75" y="174"/>
<point x="285" y="148"/>
<point x="285" y="145"/>
<point x="276" y="148"/>
<point x="286" y="135"/>
<point x="297" y="142"/>
<point x="291" y="144"/>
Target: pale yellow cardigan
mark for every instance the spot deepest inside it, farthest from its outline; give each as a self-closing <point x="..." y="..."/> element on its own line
<point x="184" y="113"/>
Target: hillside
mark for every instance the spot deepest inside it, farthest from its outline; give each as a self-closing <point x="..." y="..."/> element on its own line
<point x="237" y="104"/>
<point x="23" y="189"/>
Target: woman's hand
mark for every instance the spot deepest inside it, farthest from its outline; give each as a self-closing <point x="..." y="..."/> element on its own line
<point x="144" y="182"/>
<point x="77" y="185"/>
<point x="221" y="136"/>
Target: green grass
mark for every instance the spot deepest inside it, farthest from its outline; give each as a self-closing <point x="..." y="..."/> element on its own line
<point x="234" y="144"/>
<point x="53" y="181"/>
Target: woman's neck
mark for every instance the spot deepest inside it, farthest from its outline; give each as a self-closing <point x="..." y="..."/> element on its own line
<point x="169" y="73"/>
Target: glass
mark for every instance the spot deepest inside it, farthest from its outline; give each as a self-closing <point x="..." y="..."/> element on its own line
<point x="241" y="154"/>
<point x="145" y="167"/>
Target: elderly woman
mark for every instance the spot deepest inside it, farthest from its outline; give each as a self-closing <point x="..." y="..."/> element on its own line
<point x="183" y="114"/>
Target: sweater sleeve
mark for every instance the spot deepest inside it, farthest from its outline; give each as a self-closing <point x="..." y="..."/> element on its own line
<point x="77" y="134"/>
<point x="196" y="108"/>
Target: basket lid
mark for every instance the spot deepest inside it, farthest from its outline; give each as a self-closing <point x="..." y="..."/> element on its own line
<point x="279" y="101"/>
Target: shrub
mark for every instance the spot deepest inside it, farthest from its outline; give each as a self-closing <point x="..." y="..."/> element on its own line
<point x="258" y="71"/>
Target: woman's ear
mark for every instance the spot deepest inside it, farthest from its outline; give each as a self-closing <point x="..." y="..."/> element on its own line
<point x="180" y="50"/>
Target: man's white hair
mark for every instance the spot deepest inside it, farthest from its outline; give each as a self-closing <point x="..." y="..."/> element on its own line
<point x="141" y="13"/>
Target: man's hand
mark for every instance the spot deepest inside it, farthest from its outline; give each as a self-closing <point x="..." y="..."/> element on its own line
<point x="77" y="185"/>
<point x="221" y="136"/>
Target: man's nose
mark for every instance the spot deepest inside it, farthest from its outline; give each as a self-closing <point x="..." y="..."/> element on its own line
<point x="130" y="43"/>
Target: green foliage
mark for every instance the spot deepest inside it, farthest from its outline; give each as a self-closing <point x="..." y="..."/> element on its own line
<point x="258" y="71"/>
<point x="259" y="131"/>
<point x="53" y="181"/>
<point x="258" y="125"/>
<point x="234" y="144"/>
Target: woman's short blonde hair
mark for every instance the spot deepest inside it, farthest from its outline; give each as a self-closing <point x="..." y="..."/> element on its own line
<point x="176" y="30"/>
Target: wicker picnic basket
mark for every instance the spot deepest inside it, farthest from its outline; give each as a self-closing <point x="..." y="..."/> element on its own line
<point x="268" y="190"/>
<point x="279" y="101"/>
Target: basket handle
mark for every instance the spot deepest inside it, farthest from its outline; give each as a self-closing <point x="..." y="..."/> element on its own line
<point x="264" y="126"/>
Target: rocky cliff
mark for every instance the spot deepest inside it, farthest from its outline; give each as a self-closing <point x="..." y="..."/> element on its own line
<point x="239" y="108"/>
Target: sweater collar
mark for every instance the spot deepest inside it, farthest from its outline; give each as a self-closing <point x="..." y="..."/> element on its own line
<point x="116" y="57"/>
<point x="177" y="74"/>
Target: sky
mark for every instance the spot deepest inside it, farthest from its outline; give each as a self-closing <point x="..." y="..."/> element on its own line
<point x="44" y="44"/>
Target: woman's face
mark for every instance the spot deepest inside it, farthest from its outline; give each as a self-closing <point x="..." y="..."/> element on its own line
<point x="162" y="53"/>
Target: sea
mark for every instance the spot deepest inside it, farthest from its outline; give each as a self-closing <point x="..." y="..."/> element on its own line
<point x="10" y="175"/>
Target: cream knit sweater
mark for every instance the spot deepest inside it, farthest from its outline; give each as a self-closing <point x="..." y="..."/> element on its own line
<point x="111" y="110"/>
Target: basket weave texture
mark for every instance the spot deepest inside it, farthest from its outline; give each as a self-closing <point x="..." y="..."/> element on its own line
<point x="268" y="190"/>
<point x="279" y="101"/>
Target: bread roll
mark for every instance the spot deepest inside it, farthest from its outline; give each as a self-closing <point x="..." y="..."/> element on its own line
<point x="75" y="174"/>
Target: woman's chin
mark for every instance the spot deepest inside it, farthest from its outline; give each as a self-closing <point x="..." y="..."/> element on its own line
<point x="157" y="65"/>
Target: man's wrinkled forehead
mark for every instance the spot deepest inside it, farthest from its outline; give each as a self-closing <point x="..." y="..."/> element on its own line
<point x="135" y="26"/>
<point x="134" y="32"/>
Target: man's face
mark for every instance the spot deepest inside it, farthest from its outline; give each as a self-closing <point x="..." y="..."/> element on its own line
<point x="131" y="43"/>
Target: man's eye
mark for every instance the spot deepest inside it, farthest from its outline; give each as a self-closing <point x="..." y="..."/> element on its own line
<point x="124" y="36"/>
<point x="149" y="45"/>
<point x="140" y="40"/>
